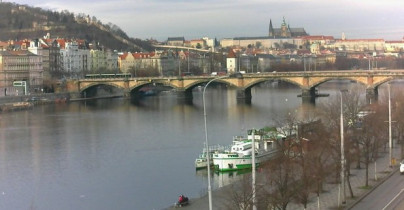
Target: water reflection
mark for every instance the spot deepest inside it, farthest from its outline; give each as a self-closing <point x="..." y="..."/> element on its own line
<point x="221" y="179"/>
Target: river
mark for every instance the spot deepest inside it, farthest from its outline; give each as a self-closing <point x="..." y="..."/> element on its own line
<point x="113" y="154"/>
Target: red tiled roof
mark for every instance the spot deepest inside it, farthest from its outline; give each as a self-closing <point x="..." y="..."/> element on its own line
<point x="395" y="42"/>
<point x="143" y="55"/>
<point x="123" y="56"/>
<point x="4" y="44"/>
<point x="302" y="52"/>
<point x="231" y="54"/>
<point x="317" y="37"/>
<point x="360" y="40"/>
<point x="62" y="43"/>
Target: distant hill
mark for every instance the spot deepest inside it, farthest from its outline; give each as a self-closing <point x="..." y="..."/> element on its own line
<point x="24" y="22"/>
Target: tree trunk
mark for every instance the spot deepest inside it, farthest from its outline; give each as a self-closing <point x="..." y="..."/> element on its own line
<point x="347" y="175"/>
<point x="367" y="172"/>
<point x="358" y="162"/>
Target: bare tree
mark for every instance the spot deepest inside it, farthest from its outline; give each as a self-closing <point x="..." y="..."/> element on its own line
<point x="280" y="172"/>
<point x="240" y="196"/>
<point x="370" y="139"/>
<point x="330" y="115"/>
<point x="281" y="180"/>
<point x="353" y="105"/>
<point x="313" y="160"/>
<point x="398" y="117"/>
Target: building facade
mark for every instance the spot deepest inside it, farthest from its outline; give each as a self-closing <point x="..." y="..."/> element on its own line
<point x="231" y="62"/>
<point x="74" y="60"/>
<point x="20" y="66"/>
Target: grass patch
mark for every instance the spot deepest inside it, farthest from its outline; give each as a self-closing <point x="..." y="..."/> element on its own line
<point x="336" y="207"/>
<point x="365" y="188"/>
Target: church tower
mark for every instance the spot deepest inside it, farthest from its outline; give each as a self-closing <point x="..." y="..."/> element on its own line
<point x="285" y="32"/>
<point x="271" y="29"/>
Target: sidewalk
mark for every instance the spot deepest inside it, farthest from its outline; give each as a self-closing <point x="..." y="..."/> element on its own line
<point x="329" y="197"/>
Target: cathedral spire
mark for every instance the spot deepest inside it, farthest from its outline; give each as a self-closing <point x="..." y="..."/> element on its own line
<point x="271" y="29"/>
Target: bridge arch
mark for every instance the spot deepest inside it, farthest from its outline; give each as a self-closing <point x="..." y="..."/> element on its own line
<point x="372" y="91"/>
<point x="90" y="89"/>
<point x="86" y="86"/>
<point x="139" y="85"/>
<point x="194" y="84"/>
<point x="383" y="81"/>
<point x="185" y="93"/>
<point x="135" y="88"/>
<point x="324" y="80"/>
<point x="262" y="80"/>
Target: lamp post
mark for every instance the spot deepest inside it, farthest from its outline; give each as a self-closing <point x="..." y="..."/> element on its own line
<point x="254" y="202"/>
<point x="342" y="152"/>
<point x="390" y="139"/>
<point x="206" y="133"/>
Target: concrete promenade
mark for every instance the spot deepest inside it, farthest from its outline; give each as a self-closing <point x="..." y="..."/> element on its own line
<point x="329" y="196"/>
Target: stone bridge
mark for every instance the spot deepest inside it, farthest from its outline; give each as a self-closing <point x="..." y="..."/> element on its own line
<point x="306" y="81"/>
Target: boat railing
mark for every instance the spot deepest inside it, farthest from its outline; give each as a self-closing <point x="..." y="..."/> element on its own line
<point x="215" y="148"/>
<point x="238" y="138"/>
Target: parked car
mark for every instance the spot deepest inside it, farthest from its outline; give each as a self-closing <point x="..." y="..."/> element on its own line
<point x="402" y="167"/>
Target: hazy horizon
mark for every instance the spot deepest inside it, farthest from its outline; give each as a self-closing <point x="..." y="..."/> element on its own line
<point x="160" y="19"/>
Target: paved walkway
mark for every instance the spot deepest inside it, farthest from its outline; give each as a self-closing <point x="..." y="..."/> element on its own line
<point x="329" y="198"/>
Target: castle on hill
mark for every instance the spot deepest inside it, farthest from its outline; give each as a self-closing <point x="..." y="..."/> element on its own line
<point x="285" y="31"/>
<point x="275" y="36"/>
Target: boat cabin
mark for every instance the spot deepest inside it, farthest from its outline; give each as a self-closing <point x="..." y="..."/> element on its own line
<point x="244" y="148"/>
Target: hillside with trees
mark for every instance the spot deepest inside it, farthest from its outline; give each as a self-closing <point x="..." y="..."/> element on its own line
<point x="23" y="22"/>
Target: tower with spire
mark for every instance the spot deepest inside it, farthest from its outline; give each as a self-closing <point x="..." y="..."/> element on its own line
<point x="271" y="29"/>
<point x="285" y="31"/>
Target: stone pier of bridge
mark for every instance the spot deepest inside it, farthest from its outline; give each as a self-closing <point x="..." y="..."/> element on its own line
<point x="309" y="95"/>
<point x="371" y="95"/>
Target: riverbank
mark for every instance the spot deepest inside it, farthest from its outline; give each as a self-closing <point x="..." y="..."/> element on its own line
<point x="7" y="107"/>
<point x="328" y="198"/>
<point x="37" y="98"/>
<point x="15" y="103"/>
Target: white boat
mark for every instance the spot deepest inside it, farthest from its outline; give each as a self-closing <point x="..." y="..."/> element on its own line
<point x="240" y="155"/>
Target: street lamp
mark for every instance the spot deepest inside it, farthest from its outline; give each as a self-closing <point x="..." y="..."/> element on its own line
<point x="253" y="170"/>
<point x="206" y="131"/>
<point x="342" y="151"/>
<point x="390" y="139"/>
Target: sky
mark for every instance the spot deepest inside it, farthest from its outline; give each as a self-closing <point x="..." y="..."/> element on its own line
<point x="194" y="19"/>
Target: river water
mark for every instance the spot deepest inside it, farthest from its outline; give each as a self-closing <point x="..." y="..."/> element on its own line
<point x="114" y="154"/>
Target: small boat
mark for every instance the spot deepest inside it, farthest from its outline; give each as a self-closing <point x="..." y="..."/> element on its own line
<point x="202" y="161"/>
<point x="240" y="155"/>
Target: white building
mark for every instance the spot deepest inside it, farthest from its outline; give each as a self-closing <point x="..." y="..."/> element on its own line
<point x="73" y="59"/>
<point x="210" y="43"/>
<point x="231" y="62"/>
<point x="40" y="48"/>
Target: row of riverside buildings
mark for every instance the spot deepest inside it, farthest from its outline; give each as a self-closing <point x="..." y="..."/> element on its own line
<point x="42" y="59"/>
